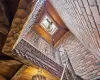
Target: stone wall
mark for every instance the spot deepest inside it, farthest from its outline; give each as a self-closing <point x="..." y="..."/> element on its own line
<point x="83" y="62"/>
<point x="82" y="17"/>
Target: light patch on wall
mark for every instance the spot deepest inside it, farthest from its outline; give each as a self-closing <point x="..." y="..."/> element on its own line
<point x="48" y="25"/>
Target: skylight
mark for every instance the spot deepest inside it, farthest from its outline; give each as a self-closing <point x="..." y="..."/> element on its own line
<point x="48" y="25"/>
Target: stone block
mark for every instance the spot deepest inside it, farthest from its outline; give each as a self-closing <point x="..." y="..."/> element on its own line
<point x="21" y="13"/>
<point x="17" y="20"/>
<point x="23" y="4"/>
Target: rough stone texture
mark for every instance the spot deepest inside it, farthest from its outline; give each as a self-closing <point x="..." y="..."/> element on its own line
<point x="85" y="26"/>
<point x="21" y="13"/>
<point x="83" y="62"/>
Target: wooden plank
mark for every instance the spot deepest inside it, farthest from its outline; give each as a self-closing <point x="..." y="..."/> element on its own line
<point x="9" y="67"/>
<point x="19" y="72"/>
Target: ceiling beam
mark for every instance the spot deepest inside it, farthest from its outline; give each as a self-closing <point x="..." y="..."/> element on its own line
<point x="2" y="77"/>
<point x="19" y="72"/>
<point x="5" y="57"/>
<point x="10" y="62"/>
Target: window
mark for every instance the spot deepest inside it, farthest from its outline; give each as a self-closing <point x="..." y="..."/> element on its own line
<point x="48" y="25"/>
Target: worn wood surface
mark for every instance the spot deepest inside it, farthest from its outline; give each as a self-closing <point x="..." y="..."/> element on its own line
<point x="19" y="73"/>
<point x="8" y="68"/>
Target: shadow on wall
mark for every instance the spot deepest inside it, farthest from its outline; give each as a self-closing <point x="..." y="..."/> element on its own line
<point x="78" y="78"/>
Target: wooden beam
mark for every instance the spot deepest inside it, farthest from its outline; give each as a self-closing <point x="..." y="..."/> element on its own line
<point x="19" y="72"/>
<point x="2" y="78"/>
<point x="4" y="57"/>
<point x="10" y="62"/>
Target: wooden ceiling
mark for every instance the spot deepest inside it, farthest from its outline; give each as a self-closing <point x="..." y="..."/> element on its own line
<point x="51" y="39"/>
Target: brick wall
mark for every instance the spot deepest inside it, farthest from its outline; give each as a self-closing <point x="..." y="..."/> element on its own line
<point x="82" y="17"/>
<point x="83" y="62"/>
<point x="40" y="44"/>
